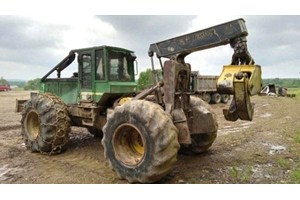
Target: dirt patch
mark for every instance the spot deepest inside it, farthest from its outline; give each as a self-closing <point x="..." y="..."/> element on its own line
<point x="262" y="151"/>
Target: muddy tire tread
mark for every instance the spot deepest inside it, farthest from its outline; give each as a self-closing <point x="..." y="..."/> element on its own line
<point x="54" y="122"/>
<point x="158" y="130"/>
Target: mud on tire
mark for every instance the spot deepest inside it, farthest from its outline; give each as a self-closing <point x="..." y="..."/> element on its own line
<point x="45" y="124"/>
<point x="201" y="142"/>
<point x="140" y="142"/>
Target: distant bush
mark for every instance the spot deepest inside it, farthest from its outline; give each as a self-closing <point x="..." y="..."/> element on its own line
<point x="33" y="84"/>
<point x="284" y="82"/>
<point x="3" y="81"/>
<point x="20" y="84"/>
<point x="145" y="80"/>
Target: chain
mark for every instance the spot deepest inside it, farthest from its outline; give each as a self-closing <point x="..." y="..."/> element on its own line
<point x="60" y="127"/>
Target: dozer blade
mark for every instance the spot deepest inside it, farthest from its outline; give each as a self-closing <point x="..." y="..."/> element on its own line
<point x="19" y="105"/>
<point x="242" y="81"/>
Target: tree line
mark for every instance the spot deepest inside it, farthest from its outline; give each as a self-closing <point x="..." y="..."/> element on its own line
<point x="145" y="80"/>
<point x="283" y="82"/>
<point x="3" y="81"/>
<point x="33" y="84"/>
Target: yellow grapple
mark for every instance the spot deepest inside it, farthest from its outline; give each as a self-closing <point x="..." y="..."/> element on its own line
<point x="241" y="81"/>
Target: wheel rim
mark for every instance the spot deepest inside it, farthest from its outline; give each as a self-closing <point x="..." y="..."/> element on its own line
<point x="218" y="98"/>
<point x="207" y="98"/>
<point x="32" y="125"/>
<point x="128" y="145"/>
<point x="225" y="98"/>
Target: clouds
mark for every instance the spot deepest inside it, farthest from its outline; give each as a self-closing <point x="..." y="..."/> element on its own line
<point x="26" y="42"/>
<point x="40" y="42"/>
<point x="23" y="33"/>
<point x="30" y="46"/>
<point x="274" y="41"/>
<point x="138" y="32"/>
<point x="274" y="32"/>
<point x="148" y="28"/>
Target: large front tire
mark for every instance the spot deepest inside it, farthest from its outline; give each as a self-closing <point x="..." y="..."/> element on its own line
<point x="140" y="142"/>
<point x="45" y="124"/>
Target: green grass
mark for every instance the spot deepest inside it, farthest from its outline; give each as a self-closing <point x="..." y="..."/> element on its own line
<point x="295" y="91"/>
<point x="295" y="176"/>
<point x="283" y="163"/>
<point x="295" y="173"/>
<point x="241" y="175"/>
<point x="234" y="173"/>
<point x="297" y="138"/>
<point x="18" y="89"/>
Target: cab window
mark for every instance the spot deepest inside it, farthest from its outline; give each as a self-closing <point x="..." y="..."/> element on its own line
<point x="119" y="67"/>
<point x="86" y="71"/>
<point x="100" y="73"/>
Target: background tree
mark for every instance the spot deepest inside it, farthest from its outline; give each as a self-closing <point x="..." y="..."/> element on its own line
<point x="283" y="82"/>
<point x="33" y="84"/>
<point x="145" y="79"/>
<point x="3" y="81"/>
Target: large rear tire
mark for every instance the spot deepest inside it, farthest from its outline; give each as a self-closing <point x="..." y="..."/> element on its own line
<point x="140" y="142"/>
<point x="201" y="142"/>
<point x="45" y="124"/>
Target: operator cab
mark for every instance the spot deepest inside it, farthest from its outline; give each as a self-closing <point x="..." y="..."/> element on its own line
<point x="101" y="70"/>
<point x="111" y="64"/>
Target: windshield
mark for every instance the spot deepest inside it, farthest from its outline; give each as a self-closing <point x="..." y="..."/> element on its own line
<point x="119" y="67"/>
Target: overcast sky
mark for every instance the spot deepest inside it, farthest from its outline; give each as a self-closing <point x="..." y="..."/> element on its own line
<point x="31" y="45"/>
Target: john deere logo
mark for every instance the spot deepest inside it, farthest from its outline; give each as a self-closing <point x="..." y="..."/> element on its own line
<point x="228" y="75"/>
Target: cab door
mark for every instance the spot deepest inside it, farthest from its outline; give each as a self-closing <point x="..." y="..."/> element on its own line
<point x="85" y="75"/>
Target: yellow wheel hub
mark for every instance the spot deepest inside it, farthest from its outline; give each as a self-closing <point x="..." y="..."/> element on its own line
<point x="32" y="125"/>
<point x="128" y="144"/>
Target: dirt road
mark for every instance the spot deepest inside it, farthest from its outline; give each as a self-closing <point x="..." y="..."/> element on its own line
<point x="265" y="150"/>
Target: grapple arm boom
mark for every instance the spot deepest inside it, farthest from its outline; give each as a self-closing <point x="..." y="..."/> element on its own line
<point x="242" y="79"/>
<point x="204" y="39"/>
